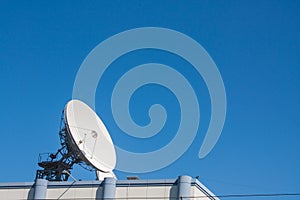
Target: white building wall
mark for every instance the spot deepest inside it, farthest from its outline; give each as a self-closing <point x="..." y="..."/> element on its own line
<point x="12" y="193"/>
<point x="125" y="190"/>
<point x="72" y="193"/>
<point x="198" y="194"/>
<point x="140" y="193"/>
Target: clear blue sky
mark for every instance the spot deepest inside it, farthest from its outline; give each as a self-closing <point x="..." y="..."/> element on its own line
<point x="255" y="45"/>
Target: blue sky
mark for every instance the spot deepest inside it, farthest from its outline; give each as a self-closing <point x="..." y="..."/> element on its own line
<point x="255" y="45"/>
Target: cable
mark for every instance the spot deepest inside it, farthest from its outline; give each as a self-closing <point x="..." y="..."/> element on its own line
<point x="62" y="194"/>
<point x="256" y="195"/>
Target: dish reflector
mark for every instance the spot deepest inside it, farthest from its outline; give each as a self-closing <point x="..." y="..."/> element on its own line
<point x="89" y="137"/>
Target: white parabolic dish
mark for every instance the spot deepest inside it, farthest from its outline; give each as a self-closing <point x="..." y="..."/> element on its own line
<point x="89" y="136"/>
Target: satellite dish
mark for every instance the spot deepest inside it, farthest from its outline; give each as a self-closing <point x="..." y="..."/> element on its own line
<point x="85" y="140"/>
<point x="89" y="136"/>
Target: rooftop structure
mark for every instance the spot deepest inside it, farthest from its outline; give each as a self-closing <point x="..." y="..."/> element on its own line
<point x="183" y="188"/>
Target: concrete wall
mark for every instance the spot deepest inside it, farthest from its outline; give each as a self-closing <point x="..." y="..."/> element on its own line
<point x="200" y="192"/>
<point x="13" y="191"/>
<point x="124" y="189"/>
